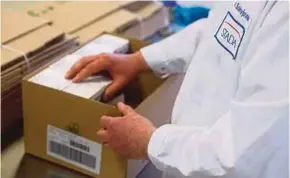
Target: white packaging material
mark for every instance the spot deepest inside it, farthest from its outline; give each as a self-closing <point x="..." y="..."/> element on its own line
<point x="104" y="44"/>
<point x="92" y="87"/>
<point x="54" y="77"/>
<point x="93" y="49"/>
<point x="119" y="45"/>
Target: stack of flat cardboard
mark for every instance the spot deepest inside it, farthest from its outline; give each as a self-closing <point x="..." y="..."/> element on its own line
<point x="87" y="20"/>
<point x="152" y="17"/>
<point x="27" y="43"/>
<point x="136" y="19"/>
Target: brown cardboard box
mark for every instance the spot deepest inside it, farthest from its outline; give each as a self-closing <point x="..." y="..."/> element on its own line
<point x="40" y="8"/>
<point x="113" y="23"/>
<point x="27" y="40"/>
<point x="28" y="43"/>
<point x="47" y="110"/>
<point x="11" y="107"/>
<point x="152" y="16"/>
<point x="16" y="24"/>
<point x="132" y="5"/>
<point x="73" y="16"/>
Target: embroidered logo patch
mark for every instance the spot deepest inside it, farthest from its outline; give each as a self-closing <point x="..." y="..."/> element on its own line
<point x="230" y="35"/>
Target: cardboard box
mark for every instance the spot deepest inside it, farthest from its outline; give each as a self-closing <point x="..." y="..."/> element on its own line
<point x="40" y="8"/>
<point x="152" y="16"/>
<point x="49" y="112"/>
<point x="73" y="16"/>
<point x="29" y="43"/>
<point x="114" y="23"/>
<point x="132" y="5"/>
<point x="16" y="24"/>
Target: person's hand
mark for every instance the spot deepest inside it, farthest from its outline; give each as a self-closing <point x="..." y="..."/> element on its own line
<point x="122" y="69"/>
<point x="128" y="135"/>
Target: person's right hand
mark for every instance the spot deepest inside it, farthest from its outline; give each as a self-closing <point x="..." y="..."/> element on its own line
<point x="122" y="68"/>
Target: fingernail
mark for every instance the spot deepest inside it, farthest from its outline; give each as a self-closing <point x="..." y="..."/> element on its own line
<point x="121" y="104"/>
<point x="76" y="79"/>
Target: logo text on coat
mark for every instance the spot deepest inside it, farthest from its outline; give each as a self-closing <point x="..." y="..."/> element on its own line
<point x="230" y="34"/>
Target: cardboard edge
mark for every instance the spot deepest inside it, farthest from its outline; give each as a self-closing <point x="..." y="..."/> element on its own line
<point x="27" y="32"/>
<point x="47" y="50"/>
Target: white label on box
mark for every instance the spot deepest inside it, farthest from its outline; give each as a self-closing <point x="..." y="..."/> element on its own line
<point x="74" y="149"/>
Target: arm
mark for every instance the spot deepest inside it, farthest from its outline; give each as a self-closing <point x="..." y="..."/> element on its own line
<point x="252" y="135"/>
<point x="173" y="54"/>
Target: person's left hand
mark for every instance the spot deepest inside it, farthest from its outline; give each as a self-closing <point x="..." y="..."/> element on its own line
<point x="128" y="135"/>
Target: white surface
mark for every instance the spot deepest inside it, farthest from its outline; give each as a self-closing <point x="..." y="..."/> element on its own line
<point x="53" y="77"/>
<point x="230" y="118"/>
<point x="104" y="44"/>
<point x="86" y="148"/>
<point x="93" y="49"/>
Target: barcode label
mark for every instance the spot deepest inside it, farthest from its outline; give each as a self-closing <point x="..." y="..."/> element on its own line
<point x="79" y="145"/>
<point x="73" y="149"/>
<point x="72" y="154"/>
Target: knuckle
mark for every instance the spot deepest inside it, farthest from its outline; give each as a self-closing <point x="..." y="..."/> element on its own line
<point x="89" y="68"/>
<point x="103" y="55"/>
<point x="77" y="65"/>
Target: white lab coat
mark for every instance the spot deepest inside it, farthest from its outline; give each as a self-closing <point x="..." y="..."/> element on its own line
<point x="230" y="118"/>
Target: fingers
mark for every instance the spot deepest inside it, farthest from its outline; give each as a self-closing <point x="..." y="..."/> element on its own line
<point x="103" y="135"/>
<point x="113" y="89"/>
<point x="106" y="121"/>
<point x="78" y="66"/>
<point x="125" y="109"/>
<point x="95" y="66"/>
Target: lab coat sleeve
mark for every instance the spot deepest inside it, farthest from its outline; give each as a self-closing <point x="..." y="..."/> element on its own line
<point x="253" y="130"/>
<point x="173" y="54"/>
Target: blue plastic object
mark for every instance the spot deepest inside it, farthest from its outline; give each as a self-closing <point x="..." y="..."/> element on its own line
<point x="186" y="15"/>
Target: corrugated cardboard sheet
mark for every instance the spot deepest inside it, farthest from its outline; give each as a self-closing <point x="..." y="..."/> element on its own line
<point x="73" y="16"/>
<point x="29" y="43"/>
<point x="15" y="24"/>
<point x="26" y="40"/>
<point x="114" y="22"/>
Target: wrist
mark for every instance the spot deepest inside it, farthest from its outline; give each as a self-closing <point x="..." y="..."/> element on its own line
<point x="140" y="60"/>
<point x="150" y="133"/>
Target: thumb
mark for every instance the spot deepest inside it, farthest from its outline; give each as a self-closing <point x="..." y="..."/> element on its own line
<point x="125" y="109"/>
<point x="113" y="89"/>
